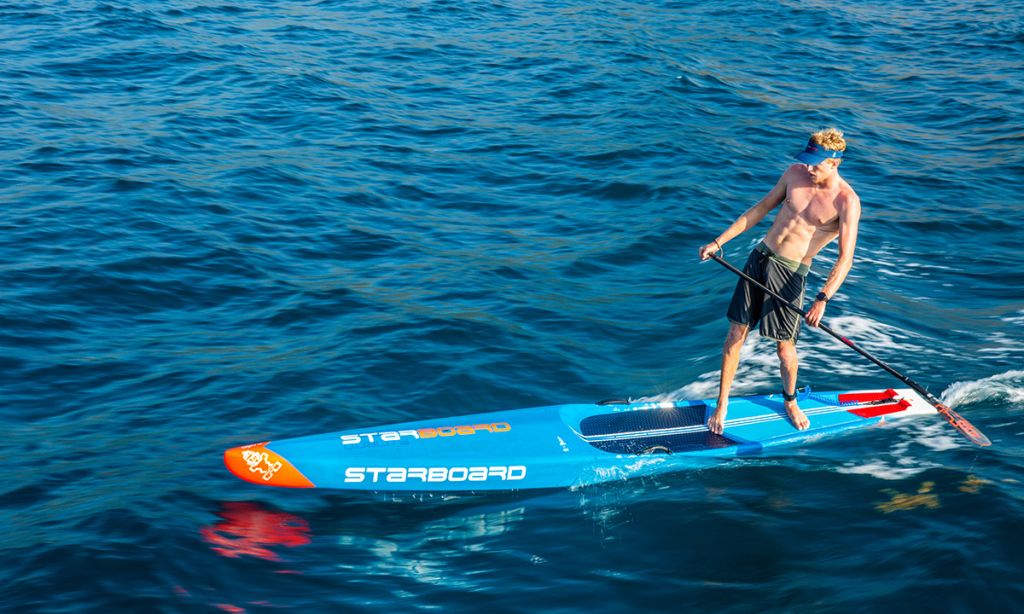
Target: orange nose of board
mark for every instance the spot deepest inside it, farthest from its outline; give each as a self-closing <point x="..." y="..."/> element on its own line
<point x="258" y="464"/>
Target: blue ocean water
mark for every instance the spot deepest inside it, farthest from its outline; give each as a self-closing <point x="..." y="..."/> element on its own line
<point x="229" y="222"/>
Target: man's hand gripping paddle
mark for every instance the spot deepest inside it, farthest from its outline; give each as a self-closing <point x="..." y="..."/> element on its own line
<point x="958" y="421"/>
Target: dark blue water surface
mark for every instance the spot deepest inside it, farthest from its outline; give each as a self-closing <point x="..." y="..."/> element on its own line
<point x="229" y="222"/>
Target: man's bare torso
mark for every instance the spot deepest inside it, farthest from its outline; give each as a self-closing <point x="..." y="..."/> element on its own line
<point x="808" y="218"/>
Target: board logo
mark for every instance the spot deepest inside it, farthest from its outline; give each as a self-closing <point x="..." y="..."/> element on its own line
<point x="259" y="462"/>
<point x="426" y="433"/>
<point x="512" y="473"/>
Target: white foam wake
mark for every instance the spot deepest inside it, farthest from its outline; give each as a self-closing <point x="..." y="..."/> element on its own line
<point x="1007" y="386"/>
<point x="902" y="459"/>
<point x="758" y="370"/>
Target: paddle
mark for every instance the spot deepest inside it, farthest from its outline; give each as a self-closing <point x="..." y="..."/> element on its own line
<point x="958" y="421"/>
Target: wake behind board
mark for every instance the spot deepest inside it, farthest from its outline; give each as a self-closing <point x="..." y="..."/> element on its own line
<point x="558" y="446"/>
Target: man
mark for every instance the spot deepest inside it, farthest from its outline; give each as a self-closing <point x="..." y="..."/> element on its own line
<point x="817" y="207"/>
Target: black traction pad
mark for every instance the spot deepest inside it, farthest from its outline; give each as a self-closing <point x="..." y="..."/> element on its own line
<point x="651" y="420"/>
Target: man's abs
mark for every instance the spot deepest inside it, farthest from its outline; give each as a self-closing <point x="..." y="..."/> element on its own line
<point x="793" y="237"/>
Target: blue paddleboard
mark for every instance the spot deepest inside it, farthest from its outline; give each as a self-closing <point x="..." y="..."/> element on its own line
<point x="558" y="446"/>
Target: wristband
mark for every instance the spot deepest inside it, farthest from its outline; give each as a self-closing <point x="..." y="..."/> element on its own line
<point x="822" y="297"/>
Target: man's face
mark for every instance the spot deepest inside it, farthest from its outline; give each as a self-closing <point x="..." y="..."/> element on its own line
<point x="823" y="170"/>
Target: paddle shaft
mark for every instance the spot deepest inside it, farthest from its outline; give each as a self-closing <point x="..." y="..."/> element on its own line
<point x="955" y="419"/>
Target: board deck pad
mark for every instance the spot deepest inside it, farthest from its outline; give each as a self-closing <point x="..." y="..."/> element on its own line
<point x="557" y="446"/>
<point x="670" y="444"/>
<point x="637" y="432"/>
<point x="627" y="422"/>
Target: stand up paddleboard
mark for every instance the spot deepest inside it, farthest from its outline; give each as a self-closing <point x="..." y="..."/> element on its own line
<point x="558" y="446"/>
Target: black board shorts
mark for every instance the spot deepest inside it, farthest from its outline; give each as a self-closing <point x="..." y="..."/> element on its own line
<point x="751" y="305"/>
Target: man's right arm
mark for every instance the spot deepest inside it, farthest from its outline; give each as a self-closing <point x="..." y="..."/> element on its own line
<point x="750" y="218"/>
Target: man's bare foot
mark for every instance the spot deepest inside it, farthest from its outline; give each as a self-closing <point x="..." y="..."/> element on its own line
<point x="717" y="420"/>
<point x="796" y="416"/>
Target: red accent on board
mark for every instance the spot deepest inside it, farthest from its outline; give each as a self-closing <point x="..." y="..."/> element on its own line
<point x="867" y="397"/>
<point x="873" y="411"/>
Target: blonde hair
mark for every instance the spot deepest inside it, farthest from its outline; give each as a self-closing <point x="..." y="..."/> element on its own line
<point x="830" y="138"/>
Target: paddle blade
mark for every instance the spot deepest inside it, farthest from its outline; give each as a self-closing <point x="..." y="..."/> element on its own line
<point x="961" y="424"/>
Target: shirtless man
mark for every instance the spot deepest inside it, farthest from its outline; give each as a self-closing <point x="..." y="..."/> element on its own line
<point x="817" y="206"/>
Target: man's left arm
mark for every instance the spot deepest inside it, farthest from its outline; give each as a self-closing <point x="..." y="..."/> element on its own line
<point x="849" y="219"/>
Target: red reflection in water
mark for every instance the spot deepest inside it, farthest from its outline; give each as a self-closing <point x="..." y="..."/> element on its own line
<point x="248" y="529"/>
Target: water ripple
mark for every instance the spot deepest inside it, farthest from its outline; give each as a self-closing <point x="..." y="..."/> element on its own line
<point x="226" y="223"/>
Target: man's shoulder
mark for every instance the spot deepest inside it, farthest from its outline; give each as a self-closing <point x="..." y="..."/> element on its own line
<point x="847" y="194"/>
<point x="847" y="199"/>
<point x="794" y="176"/>
<point x="795" y="170"/>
